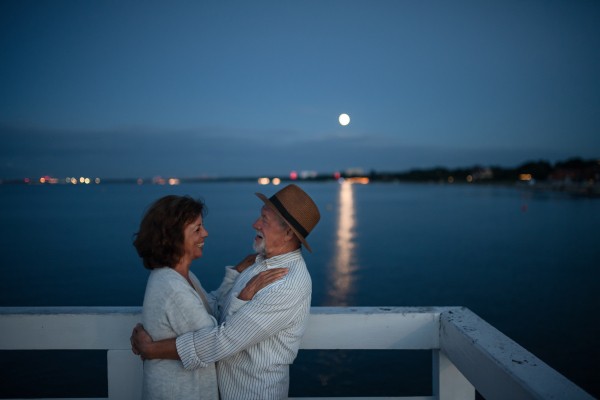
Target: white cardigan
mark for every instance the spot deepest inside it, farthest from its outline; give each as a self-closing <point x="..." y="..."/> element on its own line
<point x="171" y="308"/>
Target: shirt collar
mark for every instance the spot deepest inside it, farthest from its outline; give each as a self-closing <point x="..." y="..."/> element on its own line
<point x="277" y="261"/>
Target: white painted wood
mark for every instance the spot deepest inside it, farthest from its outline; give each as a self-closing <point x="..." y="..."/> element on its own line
<point x="291" y="398"/>
<point x="75" y="328"/>
<point x="497" y="366"/>
<point x="448" y="382"/>
<point x="295" y="398"/>
<point x="125" y="374"/>
<point x="364" y="398"/>
<point x="97" y="328"/>
<point x="406" y="328"/>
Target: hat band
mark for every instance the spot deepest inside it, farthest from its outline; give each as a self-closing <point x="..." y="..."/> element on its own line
<point x="288" y="217"/>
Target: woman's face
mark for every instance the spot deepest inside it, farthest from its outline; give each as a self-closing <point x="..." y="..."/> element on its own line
<point x="193" y="239"/>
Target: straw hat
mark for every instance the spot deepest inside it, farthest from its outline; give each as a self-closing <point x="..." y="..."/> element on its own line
<point x="296" y="208"/>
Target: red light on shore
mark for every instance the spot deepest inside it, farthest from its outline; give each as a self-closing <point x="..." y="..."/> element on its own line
<point x="293" y="175"/>
<point x="26" y="180"/>
<point x="337" y="175"/>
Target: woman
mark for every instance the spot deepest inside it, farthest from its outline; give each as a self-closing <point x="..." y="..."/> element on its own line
<point x="171" y="236"/>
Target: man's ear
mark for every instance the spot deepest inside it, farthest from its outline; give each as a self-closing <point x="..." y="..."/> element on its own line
<point x="289" y="234"/>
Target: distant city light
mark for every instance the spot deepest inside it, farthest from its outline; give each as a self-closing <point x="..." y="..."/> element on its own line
<point x="354" y="172"/>
<point x="450" y="179"/>
<point x="263" y="181"/>
<point x="97" y="180"/>
<point x="87" y="180"/>
<point x="337" y="175"/>
<point x="362" y="180"/>
<point x="341" y="180"/>
<point x="308" y="174"/>
<point x="68" y="180"/>
<point x="73" y="181"/>
<point x="26" y="180"/>
<point x="469" y="178"/>
<point x="525" y="177"/>
<point x="140" y="181"/>
<point x="293" y="175"/>
<point x="344" y="119"/>
<point x="53" y="180"/>
<point x="42" y="180"/>
<point x="82" y="179"/>
<point x="173" y="181"/>
<point x="276" y="181"/>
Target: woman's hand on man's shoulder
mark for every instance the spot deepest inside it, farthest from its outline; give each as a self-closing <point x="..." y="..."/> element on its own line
<point x="260" y="281"/>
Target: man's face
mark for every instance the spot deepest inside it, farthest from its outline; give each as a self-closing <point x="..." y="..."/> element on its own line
<point x="269" y="232"/>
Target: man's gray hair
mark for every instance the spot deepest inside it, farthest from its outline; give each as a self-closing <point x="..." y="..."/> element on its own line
<point x="282" y="223"/>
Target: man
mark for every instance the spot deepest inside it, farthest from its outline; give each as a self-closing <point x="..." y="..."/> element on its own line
<point x="255" y="345"/>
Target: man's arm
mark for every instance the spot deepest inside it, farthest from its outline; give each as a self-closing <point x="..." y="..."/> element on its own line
<point x="143" y="345"/>
<point x="268" y="313"/>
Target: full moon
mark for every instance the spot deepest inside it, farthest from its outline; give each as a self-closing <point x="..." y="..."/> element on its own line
<point x="344" y="119"/>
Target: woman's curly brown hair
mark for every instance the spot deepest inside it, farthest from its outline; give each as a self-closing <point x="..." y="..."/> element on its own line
<point x="159" y="241"/>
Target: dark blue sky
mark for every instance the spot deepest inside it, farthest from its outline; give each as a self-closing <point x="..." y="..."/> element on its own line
<point x="115" y="89"/>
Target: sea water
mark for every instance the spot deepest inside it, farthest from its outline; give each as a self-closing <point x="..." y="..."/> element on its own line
<point x="526" y="262"/>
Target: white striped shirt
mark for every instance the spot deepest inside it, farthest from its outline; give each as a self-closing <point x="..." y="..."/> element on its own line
<point x="255" y="344"/>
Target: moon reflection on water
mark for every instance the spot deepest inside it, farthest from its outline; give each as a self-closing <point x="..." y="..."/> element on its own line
<point x="343" y="265"/>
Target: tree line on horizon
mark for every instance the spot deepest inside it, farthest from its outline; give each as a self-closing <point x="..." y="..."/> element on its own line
<point x="574" y="170"/>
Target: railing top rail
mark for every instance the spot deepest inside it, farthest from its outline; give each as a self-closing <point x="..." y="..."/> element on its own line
<point x="496" y="365"/>
<point x="54" y="328"/>
<point x="134" y="310"/>
<point x="70" y="310"/>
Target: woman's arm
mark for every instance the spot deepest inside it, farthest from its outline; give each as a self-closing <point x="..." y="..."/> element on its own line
<point x="143" y="345"/>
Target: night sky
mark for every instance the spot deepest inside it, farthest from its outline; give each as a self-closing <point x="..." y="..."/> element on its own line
<point x="138" y="89"/>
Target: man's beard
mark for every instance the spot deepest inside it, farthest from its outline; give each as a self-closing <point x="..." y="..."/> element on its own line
<point x="260" y="247"/>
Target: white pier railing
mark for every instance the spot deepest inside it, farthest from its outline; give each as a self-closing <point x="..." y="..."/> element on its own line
<point x="468" y="353"/>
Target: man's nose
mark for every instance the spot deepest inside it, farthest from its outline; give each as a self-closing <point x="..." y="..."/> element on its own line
<point x="255" y="225"/>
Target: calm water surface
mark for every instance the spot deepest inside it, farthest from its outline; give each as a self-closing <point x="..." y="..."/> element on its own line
<point x="526" y="262"/>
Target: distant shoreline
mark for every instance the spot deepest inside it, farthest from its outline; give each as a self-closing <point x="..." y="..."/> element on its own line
<point x="585" y="189"/>
<point x="573" y="175"/>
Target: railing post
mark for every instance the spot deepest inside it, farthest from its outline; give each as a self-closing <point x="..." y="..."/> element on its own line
<point x="448" y="382"/>
<point x="125" y="373"/>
